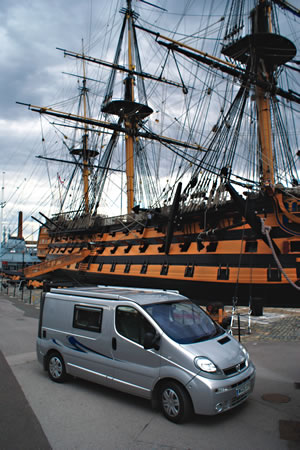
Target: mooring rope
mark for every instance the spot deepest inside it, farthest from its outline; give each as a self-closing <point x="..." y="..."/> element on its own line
<point x="266" y="231"/>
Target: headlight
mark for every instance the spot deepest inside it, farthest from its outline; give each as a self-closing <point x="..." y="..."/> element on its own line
<point x="205" y="364"/>
<point x="246" y="354"/>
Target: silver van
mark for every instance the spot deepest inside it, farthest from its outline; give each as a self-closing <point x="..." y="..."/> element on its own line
<point x="151" y="343"/>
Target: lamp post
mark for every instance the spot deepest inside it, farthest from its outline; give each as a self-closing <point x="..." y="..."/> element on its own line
<point x="2" y="204"/>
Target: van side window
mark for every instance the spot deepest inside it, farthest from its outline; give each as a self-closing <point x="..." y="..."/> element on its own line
<point x="87" y="318"/>
<point x="131" y="324"/>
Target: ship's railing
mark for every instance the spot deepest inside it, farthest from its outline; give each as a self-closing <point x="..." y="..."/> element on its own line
<point x="126" y="218"/>
<point x="86" y="222"/>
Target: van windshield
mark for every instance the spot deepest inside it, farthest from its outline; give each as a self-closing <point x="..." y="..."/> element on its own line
<point x="184" y="321"/>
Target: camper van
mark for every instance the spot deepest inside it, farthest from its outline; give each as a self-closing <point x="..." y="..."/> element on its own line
<point x="151" y="343"/>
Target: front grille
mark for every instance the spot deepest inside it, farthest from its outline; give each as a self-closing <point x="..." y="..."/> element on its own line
<point x="240" y="382"/>
<point x="237" y="400"/>
<point x="235" y="369"/>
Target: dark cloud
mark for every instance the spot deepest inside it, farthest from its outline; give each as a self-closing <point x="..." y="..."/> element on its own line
<point x="30" y="32"/>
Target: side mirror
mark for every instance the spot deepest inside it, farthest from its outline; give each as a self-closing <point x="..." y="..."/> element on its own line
<point x="151" y="341"/>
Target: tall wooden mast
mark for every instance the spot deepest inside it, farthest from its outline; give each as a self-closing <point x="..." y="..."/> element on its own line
<point x="128" y="109"/>
<point x="261" y="23"/>
<point x="129" y="93"/>
<point x="262" y="52"/>
<point x="84" y="152"/>
<point x="85" y="147"/>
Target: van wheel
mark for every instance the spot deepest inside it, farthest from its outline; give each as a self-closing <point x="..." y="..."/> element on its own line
<point x="175" y="402"/>
<point x="56" y="368"/>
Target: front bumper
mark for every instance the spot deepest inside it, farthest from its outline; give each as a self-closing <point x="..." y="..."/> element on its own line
<point x="212" y="397"/>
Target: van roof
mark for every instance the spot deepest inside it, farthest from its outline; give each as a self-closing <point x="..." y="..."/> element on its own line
<point x="141" y="296"/>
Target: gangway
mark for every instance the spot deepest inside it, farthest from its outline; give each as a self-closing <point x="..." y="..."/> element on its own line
<point x="54" y="264"/>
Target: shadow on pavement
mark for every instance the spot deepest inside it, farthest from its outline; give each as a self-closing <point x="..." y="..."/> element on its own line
<point x="19" y="427"/>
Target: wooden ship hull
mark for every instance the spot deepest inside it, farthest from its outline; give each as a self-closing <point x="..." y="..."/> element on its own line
<point x="232" y="260"/>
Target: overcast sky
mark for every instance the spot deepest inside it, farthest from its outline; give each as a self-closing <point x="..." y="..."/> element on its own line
<point x="31" y="72"/>
<point x="31" y="66"/>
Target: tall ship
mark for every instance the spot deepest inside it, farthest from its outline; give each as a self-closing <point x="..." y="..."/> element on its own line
<point x="195" y="140"/>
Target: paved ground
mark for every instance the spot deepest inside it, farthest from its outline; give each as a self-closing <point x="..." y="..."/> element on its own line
<point x="276" y="324"/>
<point x="37" y="414"/>
<point x="19" y="427"/>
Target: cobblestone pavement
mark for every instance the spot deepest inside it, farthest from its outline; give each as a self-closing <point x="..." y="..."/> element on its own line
<point x="276" y="324"/>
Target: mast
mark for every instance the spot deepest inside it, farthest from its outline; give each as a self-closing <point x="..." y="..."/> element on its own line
<point x="129" y="111"/>
<point x="261" y="53"/>
<point x="85" y="145"/>
<point x="261" y="23"/>
<point x="129" y="95"/>
<point x="84" y="152"/>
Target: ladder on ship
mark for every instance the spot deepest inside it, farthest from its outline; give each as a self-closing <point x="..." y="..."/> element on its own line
<point x="240" y="321"/>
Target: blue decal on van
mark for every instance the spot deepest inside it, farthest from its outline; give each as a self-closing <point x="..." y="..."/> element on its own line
<point x="76" y="344"/>
<point x="83" y="348"/>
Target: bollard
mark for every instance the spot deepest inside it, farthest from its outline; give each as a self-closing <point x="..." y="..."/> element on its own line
<point x="257" y="306"/>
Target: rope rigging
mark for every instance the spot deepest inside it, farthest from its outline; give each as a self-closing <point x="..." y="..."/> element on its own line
<point x="226" y="139"/>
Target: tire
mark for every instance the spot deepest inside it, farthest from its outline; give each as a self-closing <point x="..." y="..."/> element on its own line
<point x="175" y="402"/>
<point x="56" y="368"/>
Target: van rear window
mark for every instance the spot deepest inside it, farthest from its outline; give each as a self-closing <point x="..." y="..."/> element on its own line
<point x="87" y="318"/>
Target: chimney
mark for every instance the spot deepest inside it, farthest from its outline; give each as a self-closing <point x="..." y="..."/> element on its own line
<point x="20" y="225"/>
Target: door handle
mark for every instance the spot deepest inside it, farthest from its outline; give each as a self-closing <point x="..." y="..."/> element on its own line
<point x="114" y="343"/>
